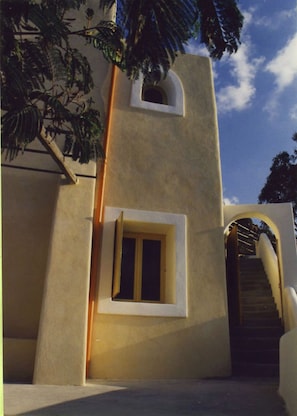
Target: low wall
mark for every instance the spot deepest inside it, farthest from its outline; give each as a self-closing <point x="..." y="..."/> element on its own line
<point x="288" y="352"/>
<point x="288" y="370"/>
<point x="290" y="308"/>
<point x="19" y="355"/>
<point x="269" y="259"/>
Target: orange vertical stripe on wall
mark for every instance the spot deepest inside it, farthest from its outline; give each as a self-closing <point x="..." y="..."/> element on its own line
<point x="98" y="220"/>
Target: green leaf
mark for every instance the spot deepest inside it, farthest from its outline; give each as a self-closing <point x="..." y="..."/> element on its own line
<point x="19" y="128"/>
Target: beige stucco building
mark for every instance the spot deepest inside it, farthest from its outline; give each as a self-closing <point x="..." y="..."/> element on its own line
<point x="123" y="274"/>
<point x="162" y="171"/>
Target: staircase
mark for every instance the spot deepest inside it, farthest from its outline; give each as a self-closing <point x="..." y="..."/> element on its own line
<point x="255" y="343"/>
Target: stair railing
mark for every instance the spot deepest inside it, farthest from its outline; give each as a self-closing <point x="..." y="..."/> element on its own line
<point x="247" y="238"/>
<point x="233" y="278"/>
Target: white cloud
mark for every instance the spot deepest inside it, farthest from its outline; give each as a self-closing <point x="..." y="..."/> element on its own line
<point x="274" y="21"/>
<point x="248" y="17"/>
<point x="284" y="69"/>
<point x="231" y="201"/>
<point x="238" y="96"/>
<point x="293" y="113"/>
<point x="196" y="48"/>
<point x="284" y="65"/>
<point x="243" y="69"/>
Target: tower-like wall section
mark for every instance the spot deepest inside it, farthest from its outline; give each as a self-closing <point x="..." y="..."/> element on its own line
<point x="163" y="162"/>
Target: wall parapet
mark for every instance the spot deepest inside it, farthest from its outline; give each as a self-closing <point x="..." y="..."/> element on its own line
<point x="290" y="308"/>
<point x="267" y="254"/>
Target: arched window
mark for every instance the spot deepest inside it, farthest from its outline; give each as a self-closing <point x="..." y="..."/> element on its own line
<point x="154" y="94"/>
<point x="166" y="97"/>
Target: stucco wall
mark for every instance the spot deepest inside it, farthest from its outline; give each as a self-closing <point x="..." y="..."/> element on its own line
<point x="168" y="163"/>
<point x="28" y="200"/>
<point x="61" y="344"/>
<point x="288" y="370"/>
<point x="47" y="253"/>
<point x="62" y="340"/>
<point x="27" y="216"/>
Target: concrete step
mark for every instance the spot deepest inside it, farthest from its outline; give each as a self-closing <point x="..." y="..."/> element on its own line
<point x="256" y="291"/>
<point x="259" y="356"/>
<point x="258" y="332"/>
<point x="254" y="288"/>
<point x="256" y="272"/>
<point x="255" y="370"/>
<point x="262" y="322"/>
<point x="254" y="343"/>
<point x="254" y="314"/>
<point x="250" y="262"/>
<point x="254" y="280"/>
<point x="255" y="300"/>
<point x="258" y="308"/>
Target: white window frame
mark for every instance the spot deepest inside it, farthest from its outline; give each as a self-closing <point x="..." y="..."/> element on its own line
<point x="173" y="88"/>
<point x="174" y="226"/>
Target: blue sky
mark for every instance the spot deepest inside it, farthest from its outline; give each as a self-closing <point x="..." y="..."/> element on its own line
<point x="256" y="93"/>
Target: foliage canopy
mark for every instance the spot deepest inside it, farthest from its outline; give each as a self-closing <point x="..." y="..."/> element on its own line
<point x="46" y="83"/>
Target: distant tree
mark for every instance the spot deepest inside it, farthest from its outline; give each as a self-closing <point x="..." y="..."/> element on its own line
<point x="281" y="184"/>
<point x="46" y="82"/>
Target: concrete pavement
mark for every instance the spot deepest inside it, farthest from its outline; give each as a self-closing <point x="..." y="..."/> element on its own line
<point x="218" y="397"/>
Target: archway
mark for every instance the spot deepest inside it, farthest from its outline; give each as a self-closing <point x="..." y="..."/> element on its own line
<point x="279" y="217"/>
<point x="254" y="293"/>
<point x="251" y="238"/>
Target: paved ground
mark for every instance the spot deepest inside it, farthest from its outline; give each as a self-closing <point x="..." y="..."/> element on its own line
<point x="227" y="397"/>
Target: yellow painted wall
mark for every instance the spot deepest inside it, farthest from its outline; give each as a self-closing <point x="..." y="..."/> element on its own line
<point x="28" y="201"/>
<point x="169" y="163"/>
<point x="47" y="237"/>
<point x="26" y="234"/>
<point x="19" y="356"/>
<point x="288" y="370"/>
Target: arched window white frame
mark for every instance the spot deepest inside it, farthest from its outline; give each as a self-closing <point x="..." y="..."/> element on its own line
<point x="173" y="89"/>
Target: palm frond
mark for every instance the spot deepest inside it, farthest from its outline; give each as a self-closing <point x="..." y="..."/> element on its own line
<point x="155" y="32"/>
<point x="220" y="26"/>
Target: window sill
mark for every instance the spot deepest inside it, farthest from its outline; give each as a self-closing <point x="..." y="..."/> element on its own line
<point x="108" y="306"/>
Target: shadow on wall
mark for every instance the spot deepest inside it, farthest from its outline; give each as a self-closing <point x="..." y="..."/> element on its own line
<point x="192" y="352"/>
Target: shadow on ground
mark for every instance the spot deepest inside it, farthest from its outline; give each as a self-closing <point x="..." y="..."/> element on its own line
<point x="228" y="397"/>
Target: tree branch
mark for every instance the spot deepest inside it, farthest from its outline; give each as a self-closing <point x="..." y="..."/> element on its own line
<point x="51" y="146"/>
